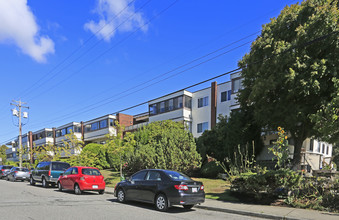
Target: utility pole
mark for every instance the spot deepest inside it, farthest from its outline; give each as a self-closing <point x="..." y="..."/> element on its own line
<point x="18" y="114"/>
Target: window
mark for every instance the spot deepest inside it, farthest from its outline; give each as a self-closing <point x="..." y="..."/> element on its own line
<point x="153" y="175"/>
<point x="327" y="149"/>
<point x="223" y="96"/>
<point x="203" y="102"/>
<point x="139" y="176"/>
<point x="318" y="148"/>
<point x="103" y="124"/>
<point x="229" y="93"/>
<point x="323" y="148"/>
<point x="87" y="128"/>
<point x="70" y="130"/>
<point x="58" y="133"/>
<point x="68" y="172"/>
<point x="162" y="107"/>
<point x="24" y="139"/>
<point x="311" y="144"/>
<point x="236" y="85"/>
<point x="77" y="128"/>
<point x="170" y="105"/>
<point x="153" y="109"/>
<point x="178" y="102"/>
<point x="63" y="132"/>
<point x="74" y="170"/>
<point x="202" y="127"/>
<point x="60" y="166"/>
<point x="91" y="172"/>
<point x="49" y="133"/>
<point x="177" y="176"/>
<point x="94" y="126"/>
<point x="188" y="102"/>
<point x="188" y="126"/>
<point x="111" y="122"/>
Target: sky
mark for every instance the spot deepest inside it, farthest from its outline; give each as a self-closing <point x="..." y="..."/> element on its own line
<point x="79" y="60"/>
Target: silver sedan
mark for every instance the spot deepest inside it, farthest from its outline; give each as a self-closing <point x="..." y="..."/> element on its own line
<point x="18" y="173"/>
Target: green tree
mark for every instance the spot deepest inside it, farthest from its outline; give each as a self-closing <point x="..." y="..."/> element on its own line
<point x="3" y="156"/>
<point x="118" y="147"/>
<point x="288" y="77"/>
<point x="239" y="130"/>
<point x="164" y="145"/>
<point x="94" y="155"/>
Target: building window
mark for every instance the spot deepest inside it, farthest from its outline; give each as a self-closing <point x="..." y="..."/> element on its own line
<point x="70" y="130"/>
<point x="323" y="148"/>
<point x="153" y="109"/>
<point x="311" y="144"/>
<point x="111" y="122"/>
<point x="103" y="123"/>
<point x="87" y="128"/>
<point x="58" y="133"/>
<point x="94" y="126"/>
<point x="49" y="133"/>
<point x="162" y="107"/>
<point x="236" y="85"/>
<point x="188" y="125"/>
<point x="170" y="105"/>
<point x="318" y="148"/>
<point x="178" y="102"/>
<point x="223" y="96"/>
<point x="188" y="102"/>
<point x="202" y="127"/>
<point x="203" y="102"/>
<point x="63" y="132"/>
<point x="327" y="149"/>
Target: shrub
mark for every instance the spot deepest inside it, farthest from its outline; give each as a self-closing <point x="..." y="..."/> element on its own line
<point x="211" y="170"/>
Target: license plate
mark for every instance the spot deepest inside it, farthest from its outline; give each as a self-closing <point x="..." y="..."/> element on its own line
<point x="95" y="186"/>
<point x="194" y="190"/>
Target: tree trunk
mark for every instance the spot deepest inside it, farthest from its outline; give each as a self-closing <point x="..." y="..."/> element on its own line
<point x="298" y="142"/>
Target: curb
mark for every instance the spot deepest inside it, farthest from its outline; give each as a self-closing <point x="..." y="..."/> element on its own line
<point x="238" y="212"/>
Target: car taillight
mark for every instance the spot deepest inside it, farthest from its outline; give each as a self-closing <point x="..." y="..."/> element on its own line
<point x="49" y="173"/>
<point x="202" y="187"/>
<point x="181" y="187"/>
<point x="15" y="171"/>
<point x="2" y="169"/>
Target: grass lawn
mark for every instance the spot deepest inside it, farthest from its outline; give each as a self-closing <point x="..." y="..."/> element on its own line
<point x="214" y="188"/>
<point x="111" y="177"/>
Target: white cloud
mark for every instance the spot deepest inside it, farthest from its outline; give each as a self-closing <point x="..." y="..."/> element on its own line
<point x="113" y="17"/>
<point x="18" y="26"/>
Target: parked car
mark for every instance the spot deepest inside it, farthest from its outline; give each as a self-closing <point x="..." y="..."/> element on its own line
<point x="163" y="188"/>
<point x="4" y="170"/>
<point x="47" y="173"/>
<point x="82" y="179"/>
<point x="18" y="173"/>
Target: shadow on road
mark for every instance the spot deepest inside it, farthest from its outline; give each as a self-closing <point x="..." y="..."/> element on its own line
<point x="172" y="210"/>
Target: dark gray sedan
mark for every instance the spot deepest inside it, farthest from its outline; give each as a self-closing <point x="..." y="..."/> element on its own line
<point x="4" y="169"/>
<point x="163" y="188"/>
<point x="18" y="173"/>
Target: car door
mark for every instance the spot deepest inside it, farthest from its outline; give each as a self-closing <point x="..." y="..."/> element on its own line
<point x="72" y="178"/>
<point x="149" y="187"/>
<point x="64" y="179"/>
<point x="133" y="187"/>
<point x="36" y="171"/>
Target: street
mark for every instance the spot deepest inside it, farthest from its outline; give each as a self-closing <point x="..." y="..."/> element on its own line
<point x="19" y="200"/>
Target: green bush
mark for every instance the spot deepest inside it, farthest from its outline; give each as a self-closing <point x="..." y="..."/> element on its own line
<point x="211" y="170"/>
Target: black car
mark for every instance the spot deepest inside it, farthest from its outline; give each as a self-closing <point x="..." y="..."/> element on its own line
<point x="163" y="188"/>
<point x="4" y="169"/>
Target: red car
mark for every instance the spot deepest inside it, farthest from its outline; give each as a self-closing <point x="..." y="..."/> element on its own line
<point x="82" y="179"/>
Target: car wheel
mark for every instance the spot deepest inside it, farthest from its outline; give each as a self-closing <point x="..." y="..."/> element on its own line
<point x="101" y="192"/>
<point x="60" y="186"/>
<point x="161" y="203"/>
<point x="188" y="206"/>
<point x="31" y="181"/>
<point x="77" y="189"/>
<point x="121" y="196"/>
<point x="44" y="183"/>
<point x="22" y="180"/>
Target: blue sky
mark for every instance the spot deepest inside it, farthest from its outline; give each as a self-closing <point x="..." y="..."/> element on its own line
<point x="78" y="60"/>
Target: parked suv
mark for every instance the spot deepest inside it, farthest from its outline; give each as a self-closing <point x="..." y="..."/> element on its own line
<point x="4" y="169"/>
<point x="48" y="172"/>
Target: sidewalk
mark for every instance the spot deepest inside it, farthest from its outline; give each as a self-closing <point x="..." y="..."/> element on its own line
<point x="261" y="211"/>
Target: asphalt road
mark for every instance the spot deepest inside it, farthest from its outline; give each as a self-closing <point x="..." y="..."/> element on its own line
<point x="19" y="200"/>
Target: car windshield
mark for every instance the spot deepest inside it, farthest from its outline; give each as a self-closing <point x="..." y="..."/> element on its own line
<point x="177" y="176"/>
<point x="91" y="172"/>
<point x="60" y="166"/>
<point x="22" y="169"/>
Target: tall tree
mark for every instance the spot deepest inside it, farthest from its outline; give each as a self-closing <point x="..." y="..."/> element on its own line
<point x="289" y="76"/>
<point x="3" y="156"/>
